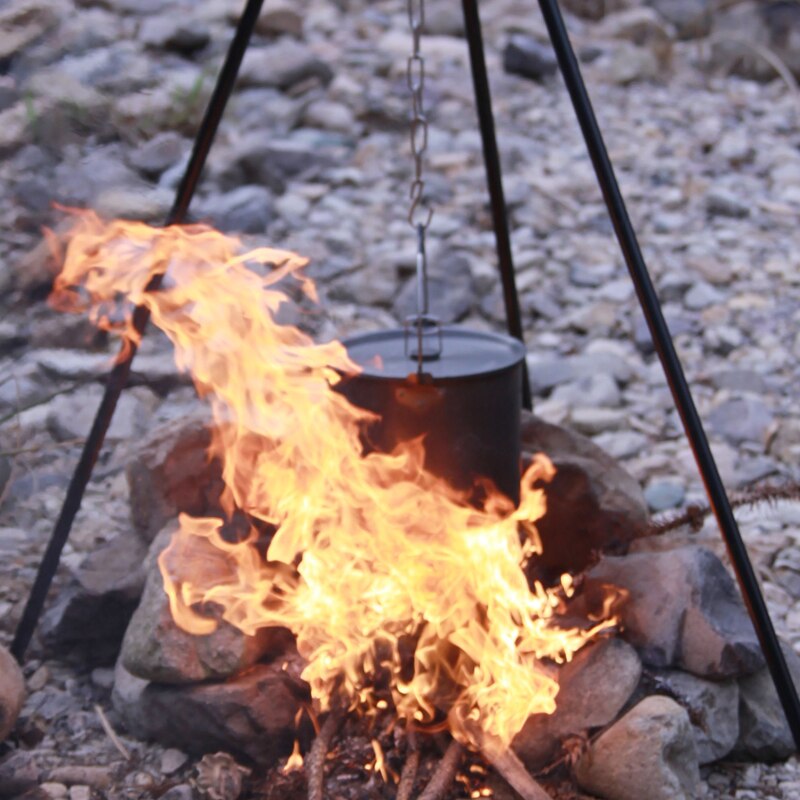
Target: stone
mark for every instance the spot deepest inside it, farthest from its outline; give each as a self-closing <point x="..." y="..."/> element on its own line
<point x="683" y="610"/>
<point x="593" y="689"/>
<point x="650" y="753"/>
<point x="280" y="19"/>
<point x="70" y="416"/>
<point x="593" y="504"/>
<point x="170" y="472"/>
<point x="630" y="64"/>
<point x="134" y="202"/>
<point x="23" y="23"/>
<point x="713" y="708"/>
<point x="283" y="65"/>
<point x="12" y="692"/>
<point x="742" y="419"/>
<point x="19" y="772"/>
<point x="530" y="58"/>
<point x="691" y="19"/>
<point x="178" y="33"/>
<point x="93" y="611"/>
<point x="599" y="390"/>
<point x="591" y="420"/>
<point x="702" y="295"/>
<point x="764" y="732"/>
<point x="328" y="115"/>
<point x="721" y="202"/>
<point x="156" y="649"/>
<point x="246" y="209"/>
<point x="444" y="19"/>
<point x="451" y="290"/>
<point x="158" y="154"/>
<point x="663" y="495"/>
<point x="172" y="760"/>
<point x="78" y="775"/>
<point x="252" y="714"/>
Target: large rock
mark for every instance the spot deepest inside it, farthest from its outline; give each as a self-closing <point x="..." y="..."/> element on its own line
<point x="713" y="708"/>
<point x="12" y="692"/>
<point x="526" y="56"/>
<point x="283" y="65"/>
<point x="94" y="609"/>
<point x="771" y="25"/>
<point x="252" y="714"/>
<point x="171" y="473"/>
<point x="684" y="610"/>
<point x="764" y="732"/>
<point x="691" y="19"/>
<point x="156" y="649"/>
<point x="593" y="688"/>
<point x="649" y="753"/>
<point x="593" y="504"/>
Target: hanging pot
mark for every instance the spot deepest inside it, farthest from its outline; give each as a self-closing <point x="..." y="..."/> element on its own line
<point x="462" y="395"/>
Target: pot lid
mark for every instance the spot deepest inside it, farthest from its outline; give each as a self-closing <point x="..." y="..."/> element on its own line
<point x="464" y="353"/>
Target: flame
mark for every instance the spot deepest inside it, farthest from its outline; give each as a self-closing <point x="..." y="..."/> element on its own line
<point x="377" y="567"/>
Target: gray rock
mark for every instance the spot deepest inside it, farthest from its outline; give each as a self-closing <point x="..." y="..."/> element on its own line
<point x="280" y="19"/>
<point x="684" y="610"/>
<point x="739" y="380"/>
<point x="593" y="391"/>
<point x="444" y="19"/>
<point x="526" y="56"/>
<point x="591" y="420"/>
<point x="170" y="473"/>
<point x="451" y="290"/>
<point x="701" y="295"/>
<point x="330" y="116"/>
<point x="721" y="202"/>
<point x="691" y="19"/>
<point x="593" y="503"/>
<point x="19" y="772"/>
<point x="252" y="714"/>
<point x="713" y="708"/>
<point x="662" y="495"/>
<point x="246" y="209"/>
<point x="70" y="416"/>
<point x="158" y="154"/>
<point x="650" y="753"/>
<point x="12" y="692"/>
<point x="283" y="65"/>
<point x="94" y="610"/>
<point x="764" y="732"/>
<point x="631" y="64"/>
<point x="593" y="689"/>
<point x="743" y="419"/>
<point x="183" y="791"/>
<point x="179" y="33"/>
<point x="156" y="649"/>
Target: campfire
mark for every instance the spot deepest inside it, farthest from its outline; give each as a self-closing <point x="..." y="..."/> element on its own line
<point x="400" y="593"/>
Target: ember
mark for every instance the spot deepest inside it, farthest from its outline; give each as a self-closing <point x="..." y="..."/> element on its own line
<point x="394" y="586"/>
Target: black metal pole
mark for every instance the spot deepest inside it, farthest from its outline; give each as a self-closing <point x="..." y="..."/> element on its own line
<point x="672" y="366"/>
<point x="118" y="376"/>
<point x="494" y="180"/>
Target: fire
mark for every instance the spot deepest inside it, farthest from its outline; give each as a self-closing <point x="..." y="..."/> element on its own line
<point x="386" y="577"/>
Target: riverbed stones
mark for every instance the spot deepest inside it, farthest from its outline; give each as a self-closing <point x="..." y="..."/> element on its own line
<point x="650" y="752"/>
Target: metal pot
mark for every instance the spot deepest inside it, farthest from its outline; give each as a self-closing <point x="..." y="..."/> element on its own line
<point x="458" y="388"/>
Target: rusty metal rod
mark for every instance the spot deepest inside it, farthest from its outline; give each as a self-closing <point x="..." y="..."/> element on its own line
<point x="118" y="377"/>
<point x="662" y="339"/>
<point x="494" y="182"/>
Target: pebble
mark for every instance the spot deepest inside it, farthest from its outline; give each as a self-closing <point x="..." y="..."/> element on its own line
<point x="663" y="495"/>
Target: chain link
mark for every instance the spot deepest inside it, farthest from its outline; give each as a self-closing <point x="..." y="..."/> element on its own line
<point x="419" y="213"/>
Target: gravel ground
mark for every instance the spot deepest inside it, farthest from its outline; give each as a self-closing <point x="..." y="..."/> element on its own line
<point x="98" y="102"/>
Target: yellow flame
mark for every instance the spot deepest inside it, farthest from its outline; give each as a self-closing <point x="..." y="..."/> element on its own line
<point x="377" y="567"/>
<point x="295" y="760"/>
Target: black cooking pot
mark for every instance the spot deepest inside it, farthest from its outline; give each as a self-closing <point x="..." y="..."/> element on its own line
<point x="463" y="396"/>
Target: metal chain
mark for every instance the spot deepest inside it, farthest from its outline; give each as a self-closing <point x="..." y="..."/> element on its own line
<point x="419" y="214"/>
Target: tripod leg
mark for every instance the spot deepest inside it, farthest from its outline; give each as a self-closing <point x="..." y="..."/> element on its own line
<point x="494" y="180"/>
<point x="118" y="376"/>
<point x="671" y="364"/>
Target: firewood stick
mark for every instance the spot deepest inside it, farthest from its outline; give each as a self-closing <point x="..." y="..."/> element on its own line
<point x="515" y="774"/>
<point x="445" y="773"/>
<point x="315" y="764"/>
<point x="409" y="773"/>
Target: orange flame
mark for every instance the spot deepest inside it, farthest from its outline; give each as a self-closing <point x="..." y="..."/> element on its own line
<point x="377" y="567"/>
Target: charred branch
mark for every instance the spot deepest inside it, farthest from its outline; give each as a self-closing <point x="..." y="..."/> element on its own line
<point x="445" y="773"/>
<point x="315" y="765"/>
<point x="409" y="774"/>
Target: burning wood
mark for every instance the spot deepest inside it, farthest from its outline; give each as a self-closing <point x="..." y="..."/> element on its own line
<point x="396" y="589"/>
